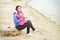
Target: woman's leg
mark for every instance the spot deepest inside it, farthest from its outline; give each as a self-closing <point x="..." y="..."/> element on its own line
<point x="20" y="27"/>
<point x="28" y="29"/>
<point x="30" y="25"/>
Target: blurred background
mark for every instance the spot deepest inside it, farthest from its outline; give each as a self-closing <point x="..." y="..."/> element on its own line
<point x="50" y="8"/>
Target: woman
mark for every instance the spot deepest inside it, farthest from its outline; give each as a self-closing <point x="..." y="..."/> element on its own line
<point x="20" y="22"/>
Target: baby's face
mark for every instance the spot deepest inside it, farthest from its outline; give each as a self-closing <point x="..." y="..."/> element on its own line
<point x="20" y="14"/>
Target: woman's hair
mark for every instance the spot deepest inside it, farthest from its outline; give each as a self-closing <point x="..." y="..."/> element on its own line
<point x="17" y="7"/>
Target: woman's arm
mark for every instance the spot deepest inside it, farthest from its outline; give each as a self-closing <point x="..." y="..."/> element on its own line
<point x="16" y="20"/>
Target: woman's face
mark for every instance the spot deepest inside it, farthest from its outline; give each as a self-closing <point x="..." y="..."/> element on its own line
<point x="19" y="8"/>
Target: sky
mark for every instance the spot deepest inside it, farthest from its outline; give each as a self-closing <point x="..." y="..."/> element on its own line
<point x="50" y="8"/>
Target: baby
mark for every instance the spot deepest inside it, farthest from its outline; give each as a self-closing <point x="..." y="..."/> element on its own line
<point x="21" y="17"/>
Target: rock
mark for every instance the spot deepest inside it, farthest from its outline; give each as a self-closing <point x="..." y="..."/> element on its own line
<point x="10" y="33"/>
<point x="7" y="30"/>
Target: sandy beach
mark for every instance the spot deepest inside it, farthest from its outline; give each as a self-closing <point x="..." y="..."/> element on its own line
<point x="47" y="29"/>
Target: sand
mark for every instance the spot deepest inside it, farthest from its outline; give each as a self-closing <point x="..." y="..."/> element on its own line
<point x="47" y="29"/>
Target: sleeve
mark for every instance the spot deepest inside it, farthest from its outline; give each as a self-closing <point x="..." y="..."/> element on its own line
<point x="16" y="20"/>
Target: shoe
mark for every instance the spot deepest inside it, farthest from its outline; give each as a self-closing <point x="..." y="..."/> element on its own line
<point x="29" y="34"/>
<point x="35" y="31"/>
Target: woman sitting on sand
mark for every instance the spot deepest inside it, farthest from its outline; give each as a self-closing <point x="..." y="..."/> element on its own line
<point x="20" y="22"/>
